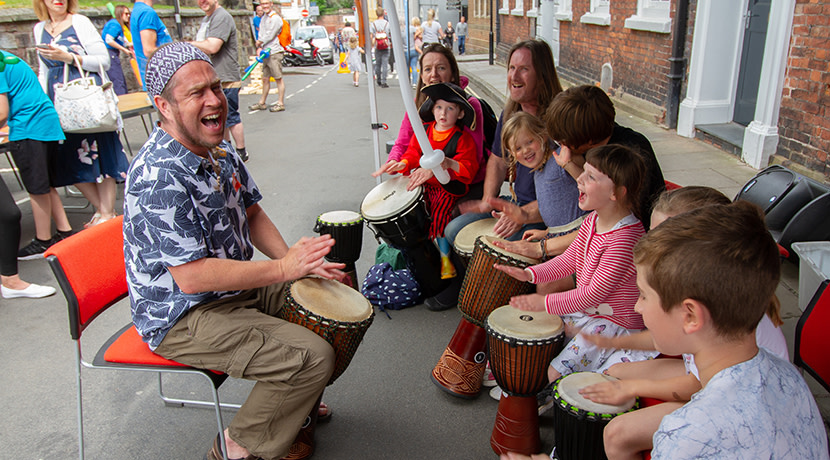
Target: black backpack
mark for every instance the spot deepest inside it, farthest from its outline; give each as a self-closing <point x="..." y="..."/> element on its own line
<point x="490" y="122"/>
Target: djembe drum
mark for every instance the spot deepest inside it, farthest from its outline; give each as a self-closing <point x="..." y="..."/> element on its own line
<point x="522" y="345"/>
<point x="336" y="313"/>
<point x="401" y="219"/>
<point x="465" y="240"/>
<point x="579" y="422"/>
<point x="461" y="366"/>
<point x="346" y="227"/>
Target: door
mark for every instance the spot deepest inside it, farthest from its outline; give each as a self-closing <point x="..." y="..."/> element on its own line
<point x="752" y="53"/>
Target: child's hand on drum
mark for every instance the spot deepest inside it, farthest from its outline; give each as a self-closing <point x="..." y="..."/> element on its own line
<point x="522" y="248"/>
<point x="390" y="167"/>
<point x="530" y="302"/>
<point x="534" y="235"/>
<point x="613" y="392"/>
<point x="516" y="272"/>
<point x="418" y="177"/>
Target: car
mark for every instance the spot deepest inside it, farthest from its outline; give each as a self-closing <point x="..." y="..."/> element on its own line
<point x="319" y="37"/>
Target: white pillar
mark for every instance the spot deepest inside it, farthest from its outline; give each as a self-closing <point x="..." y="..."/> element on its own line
<point x="761" y="136"/>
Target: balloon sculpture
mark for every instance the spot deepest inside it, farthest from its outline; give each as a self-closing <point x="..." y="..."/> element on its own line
<point x="7" y="60"/>
<point x="262" y="56"/>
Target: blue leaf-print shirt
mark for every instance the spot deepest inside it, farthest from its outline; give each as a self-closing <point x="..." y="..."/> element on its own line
<point x="177" y="210"/>
<point x="758" y="409"/>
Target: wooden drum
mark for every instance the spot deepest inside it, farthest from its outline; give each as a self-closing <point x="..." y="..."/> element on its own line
<point x="335" y="312"/>
<point x="522" y="345"/>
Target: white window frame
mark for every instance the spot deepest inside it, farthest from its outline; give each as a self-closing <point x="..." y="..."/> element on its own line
<point x="533" y="12"/>
<point x="518" y="8"/>
<point x="505" y="7"/>
<point x="652" y="16"/>
<point x="599" y="15"/>
<point x="564" y="12"/>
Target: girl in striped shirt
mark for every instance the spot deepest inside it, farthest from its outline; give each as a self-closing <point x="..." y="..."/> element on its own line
<point x="601" y="256"/>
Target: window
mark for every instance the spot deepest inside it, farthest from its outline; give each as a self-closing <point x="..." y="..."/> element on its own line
<point x="505" y="7"/>
<point x="652" y="15"/>
<point x="564" y="11"/>
<point x="518" y="9"/>
<point x="600" y="13"/>
<point x="534" y="9"/>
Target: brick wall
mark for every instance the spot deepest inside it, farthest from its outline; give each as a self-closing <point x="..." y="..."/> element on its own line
<point x="804" y="121"/>
<point x="639" y="59"/>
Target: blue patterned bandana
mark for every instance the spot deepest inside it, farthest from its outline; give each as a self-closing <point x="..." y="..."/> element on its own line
<point x="166" y="61"/>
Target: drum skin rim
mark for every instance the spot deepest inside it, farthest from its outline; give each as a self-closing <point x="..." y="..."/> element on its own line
<point x="515" y="260"/>
<point x="358" y="220"/>
<point x="583" y="414"/>
<point x="327" y="323"/>
<point x="514" y="341"/>
<point x="417" y="195"/>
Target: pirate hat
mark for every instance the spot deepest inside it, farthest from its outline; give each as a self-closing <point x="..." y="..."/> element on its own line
<point x="449" y="92"/>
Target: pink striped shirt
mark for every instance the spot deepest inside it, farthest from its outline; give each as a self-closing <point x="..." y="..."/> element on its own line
<point x="606" y="281"/>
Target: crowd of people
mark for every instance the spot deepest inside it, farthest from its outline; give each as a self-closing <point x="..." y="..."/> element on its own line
<point x="623" y="262"/>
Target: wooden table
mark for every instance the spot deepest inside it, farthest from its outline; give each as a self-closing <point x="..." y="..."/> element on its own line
<point x="136" y="105"/>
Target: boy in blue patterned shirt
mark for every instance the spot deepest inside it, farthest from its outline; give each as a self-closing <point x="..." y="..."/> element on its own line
<point x="703" y="292"/>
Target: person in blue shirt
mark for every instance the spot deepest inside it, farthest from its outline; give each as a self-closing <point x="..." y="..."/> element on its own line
<point x="113" y="35"/>
<point x="257" y="19"/>
<point x="34" y="132"/>
<point x="148" y="32"/>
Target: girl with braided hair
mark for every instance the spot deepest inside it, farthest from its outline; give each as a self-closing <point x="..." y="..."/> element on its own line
<point x="525" y="140"/>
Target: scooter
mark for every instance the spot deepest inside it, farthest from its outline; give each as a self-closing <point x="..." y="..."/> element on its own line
<point x="308" y="54"/>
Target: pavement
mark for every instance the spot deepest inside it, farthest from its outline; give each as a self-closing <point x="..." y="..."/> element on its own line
<point x="384" y="404"/>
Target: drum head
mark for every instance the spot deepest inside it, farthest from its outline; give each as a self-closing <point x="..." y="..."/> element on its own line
<point x="388" y="199"/>
<point x="526" y="325"/>
<point x="340" y="218"/>
<point x="568" y="389"/>
<point x="488" y="243"/>
<point x="465" y="241"/>
<point x="331" y="300"/>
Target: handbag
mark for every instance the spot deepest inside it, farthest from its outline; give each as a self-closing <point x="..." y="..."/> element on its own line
<point x="83" y="106"/>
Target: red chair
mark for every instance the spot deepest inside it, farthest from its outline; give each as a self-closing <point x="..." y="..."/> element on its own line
<point x="89" y="267"/>
<point x="672" y="185"/>
<point x="810" y="337"/>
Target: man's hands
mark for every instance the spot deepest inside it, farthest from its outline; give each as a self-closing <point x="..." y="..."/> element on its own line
<point x="306" y="257"/>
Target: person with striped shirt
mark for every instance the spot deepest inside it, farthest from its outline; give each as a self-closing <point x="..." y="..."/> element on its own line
<point x="601" y="256"/>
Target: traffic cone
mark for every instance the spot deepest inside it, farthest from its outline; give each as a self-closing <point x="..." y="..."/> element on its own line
<point x="344" y="67"/>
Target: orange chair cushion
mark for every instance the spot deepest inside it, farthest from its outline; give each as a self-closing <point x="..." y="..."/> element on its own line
<point x="130" y="349"/>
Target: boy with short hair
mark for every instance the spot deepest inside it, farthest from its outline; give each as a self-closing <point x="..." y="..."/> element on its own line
<point x="704" y="293"/>
<point x="582" y="117"/>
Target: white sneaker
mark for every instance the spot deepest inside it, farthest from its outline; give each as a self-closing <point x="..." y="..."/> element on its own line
<point x="34" y="291"/>
<point x="488" y="380"/>
<point x="495" y="393"/>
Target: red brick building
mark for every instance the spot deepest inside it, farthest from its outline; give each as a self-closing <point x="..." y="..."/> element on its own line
<point x="752" y="75"/>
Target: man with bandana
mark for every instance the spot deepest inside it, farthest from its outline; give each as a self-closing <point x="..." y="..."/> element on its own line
<point x="191" y="222"/>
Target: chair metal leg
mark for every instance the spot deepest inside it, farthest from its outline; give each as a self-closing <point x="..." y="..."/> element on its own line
<point x="14" y="170"/>
<point x="192" y="402"/>
<point x="67" y="190"/>
<point x="80" y="401"/>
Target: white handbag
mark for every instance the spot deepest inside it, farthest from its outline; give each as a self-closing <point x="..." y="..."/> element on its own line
<point x="83" y="106"/>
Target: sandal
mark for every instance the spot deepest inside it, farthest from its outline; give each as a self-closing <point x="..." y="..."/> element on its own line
<point x="215" y="452"/>
<point x="324" y="413"/>
<point x="96" y="218"/>
<point x="277" y="107"/>
<point x="258" y="106"/>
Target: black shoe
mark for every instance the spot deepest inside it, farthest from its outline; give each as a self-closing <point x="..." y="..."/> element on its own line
<point x="243" y="155"/>
<point x="34" y="250"/>
<point x="384" y="85"/>
<point x="60" y="236"/>
<point x="434" y="304"/>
